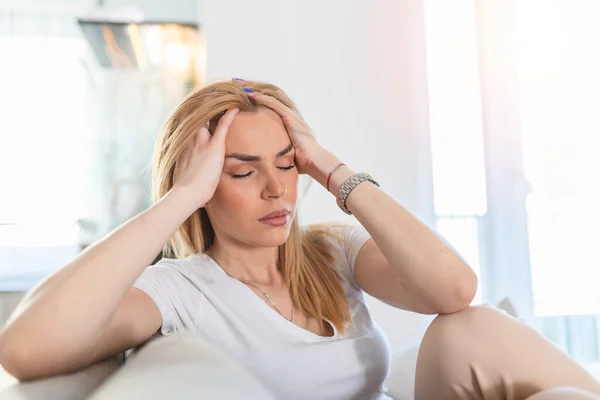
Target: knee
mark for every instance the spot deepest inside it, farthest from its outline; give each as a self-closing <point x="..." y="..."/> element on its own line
<point x="454" y="343"/>
<point x="472" y="317"/>
<point x="475" y="324"/>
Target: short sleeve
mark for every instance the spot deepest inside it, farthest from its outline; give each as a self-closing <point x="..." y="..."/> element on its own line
<point x="352" y="239"/>
<point x="355" y="236"/>
<point x="174" y="295"/>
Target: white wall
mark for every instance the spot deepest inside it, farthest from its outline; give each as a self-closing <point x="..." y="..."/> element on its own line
<point x="357" y="73"/>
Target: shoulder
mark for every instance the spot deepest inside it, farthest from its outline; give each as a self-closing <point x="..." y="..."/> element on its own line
<point x="331" y="229"/>
<point x="176" y="288"/>
<point x="173" y="265"/>
<point x="348" y="237"/>
<point x="344" y="240"/>
<point x="178" y="270"/>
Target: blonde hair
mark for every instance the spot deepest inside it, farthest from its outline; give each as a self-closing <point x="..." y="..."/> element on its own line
<point x="305" y="259"/>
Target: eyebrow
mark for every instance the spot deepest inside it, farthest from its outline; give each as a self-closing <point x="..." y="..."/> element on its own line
<point x="250" y="157"/>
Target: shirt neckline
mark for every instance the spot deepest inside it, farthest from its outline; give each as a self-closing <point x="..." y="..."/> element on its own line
<point x="270" y="312"/>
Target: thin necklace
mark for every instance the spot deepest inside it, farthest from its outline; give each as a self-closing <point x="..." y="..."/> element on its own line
<point x="266" y="296"/>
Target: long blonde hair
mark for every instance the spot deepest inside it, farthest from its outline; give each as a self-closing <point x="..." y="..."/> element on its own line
<point x="304" y="259"/>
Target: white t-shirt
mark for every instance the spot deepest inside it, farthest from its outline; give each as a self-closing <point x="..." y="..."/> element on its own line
<point x="195" y="294"/>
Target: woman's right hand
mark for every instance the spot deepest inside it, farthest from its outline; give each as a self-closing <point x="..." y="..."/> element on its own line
<point x="199" y="168"/>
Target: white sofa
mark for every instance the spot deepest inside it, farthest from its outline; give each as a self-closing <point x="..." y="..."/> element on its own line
<point x="403" y="330"/>
<point x="180" y="361"/>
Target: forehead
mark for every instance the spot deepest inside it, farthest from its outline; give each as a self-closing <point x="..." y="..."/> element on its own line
<point x="260" y="133"/>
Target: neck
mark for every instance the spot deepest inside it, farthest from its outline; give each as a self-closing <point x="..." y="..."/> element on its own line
<point x="257" y="265"/>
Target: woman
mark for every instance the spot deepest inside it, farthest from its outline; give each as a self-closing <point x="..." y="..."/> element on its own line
<point x="283" y="300"/>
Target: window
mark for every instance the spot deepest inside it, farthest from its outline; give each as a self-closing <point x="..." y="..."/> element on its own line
<point x="533" y="67"/>
<point x="558" y="65"/>
<point x="44" y="129"/>
<point x="455" y="127"/>
<point x="44" y="154"/>
<point x="560" y="86"/>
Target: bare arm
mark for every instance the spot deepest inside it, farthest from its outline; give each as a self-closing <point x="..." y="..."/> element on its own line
<point x="405" y="264"/>
<point x="87" y="310"/>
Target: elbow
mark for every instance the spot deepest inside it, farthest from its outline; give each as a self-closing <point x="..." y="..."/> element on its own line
<point x="462" y="294"/>
<point x="468" y="287"/>
<point x="17" y="362"/>
<point x="18" y="359"/>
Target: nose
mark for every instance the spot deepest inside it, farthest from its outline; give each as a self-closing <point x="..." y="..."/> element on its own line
<point x="274" y="187"/>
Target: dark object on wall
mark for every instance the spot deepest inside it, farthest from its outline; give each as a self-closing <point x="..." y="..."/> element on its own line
<point x="140" y="45"/>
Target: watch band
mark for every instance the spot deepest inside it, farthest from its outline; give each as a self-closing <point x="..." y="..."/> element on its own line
<point x="349" y="185"/>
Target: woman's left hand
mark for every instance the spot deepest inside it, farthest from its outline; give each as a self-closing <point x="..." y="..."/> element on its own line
<point x="305" y="144"/>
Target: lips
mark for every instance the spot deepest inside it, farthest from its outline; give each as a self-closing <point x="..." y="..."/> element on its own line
<point x="275" y="214"/>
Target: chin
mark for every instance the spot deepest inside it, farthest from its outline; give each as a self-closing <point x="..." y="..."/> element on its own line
<point x="273" y="237"/>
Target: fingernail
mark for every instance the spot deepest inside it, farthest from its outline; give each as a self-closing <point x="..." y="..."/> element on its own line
<point x="237" y="79"/>
<point x="248" y="90"/>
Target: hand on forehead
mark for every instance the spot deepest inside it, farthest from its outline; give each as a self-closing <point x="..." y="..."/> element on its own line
<point x="260" y="133"/>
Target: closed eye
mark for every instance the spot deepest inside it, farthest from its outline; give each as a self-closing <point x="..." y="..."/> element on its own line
<point x="286" y="168"/>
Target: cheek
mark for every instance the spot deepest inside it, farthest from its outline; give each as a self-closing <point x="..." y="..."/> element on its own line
<point x="234" y="198"/>
<point x="292" y="185"/>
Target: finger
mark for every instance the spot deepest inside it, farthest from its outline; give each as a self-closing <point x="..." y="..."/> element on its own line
<point x="181" y="163"/>
<point x="188" y="148"/>
<point x="202" y="137"/>
<point x="223" y="125"/>
<point x="273" y="103"/>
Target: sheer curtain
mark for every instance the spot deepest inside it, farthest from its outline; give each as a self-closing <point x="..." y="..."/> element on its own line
<point x="514" y="88"/>
<point x="459" y="182"/>
<point x="558" y="62"/>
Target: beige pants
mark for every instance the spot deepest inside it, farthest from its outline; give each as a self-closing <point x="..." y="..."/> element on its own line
<point x="482" y="353"/>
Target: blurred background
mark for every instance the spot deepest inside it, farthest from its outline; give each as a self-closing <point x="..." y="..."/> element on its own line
<point x="479" y="116"/>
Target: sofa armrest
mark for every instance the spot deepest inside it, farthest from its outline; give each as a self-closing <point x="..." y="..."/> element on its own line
<point x="74" y="386"/>
<point x="401" y="381"/>
<point x="181" y="366"/>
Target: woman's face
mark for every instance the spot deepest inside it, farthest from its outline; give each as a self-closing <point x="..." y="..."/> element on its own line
<point x="259" y="177"/>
